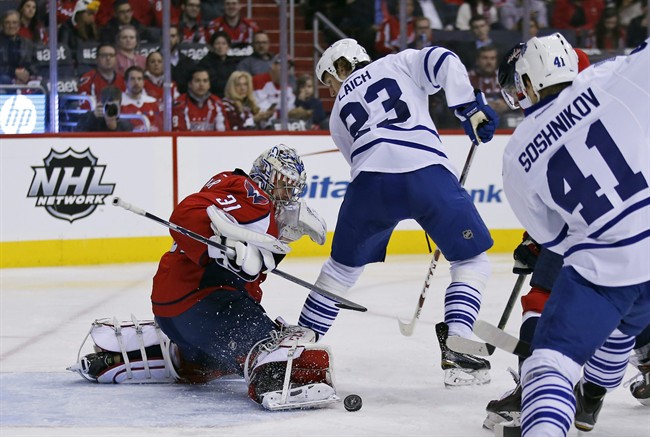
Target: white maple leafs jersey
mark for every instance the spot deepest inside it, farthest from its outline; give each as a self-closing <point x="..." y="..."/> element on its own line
<point x="380" y="120"/>
<point x="576" y="172"/>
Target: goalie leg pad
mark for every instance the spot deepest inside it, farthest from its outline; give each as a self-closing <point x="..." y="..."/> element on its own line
<point x="289" y="370"/>
<point x="135" y="351"/>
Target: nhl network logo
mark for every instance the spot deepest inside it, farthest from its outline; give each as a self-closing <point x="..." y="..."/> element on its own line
<point x="69" y="185"/>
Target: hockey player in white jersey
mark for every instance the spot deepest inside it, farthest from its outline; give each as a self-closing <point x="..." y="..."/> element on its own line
<point x="576" y="174"/>
<point x="399" y="170"/>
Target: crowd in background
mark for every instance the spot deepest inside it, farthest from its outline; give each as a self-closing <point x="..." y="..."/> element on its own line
<point x="226" y="78"/>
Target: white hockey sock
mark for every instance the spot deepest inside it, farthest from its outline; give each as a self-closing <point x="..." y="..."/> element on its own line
<point x="548" y="403"/>
<point x="463" y="296"/>
<point x="607" y="366"/>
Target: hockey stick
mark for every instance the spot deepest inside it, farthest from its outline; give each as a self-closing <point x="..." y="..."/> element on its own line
<point x="408" y="327"/>
<point x="500" y="339"/>
<point x="467" y="346"/>
<point x="341" y="302"/>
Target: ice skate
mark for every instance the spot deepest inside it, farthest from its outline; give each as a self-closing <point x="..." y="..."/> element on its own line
<point x="640" y="388"/>
<point x="589" y="401"/>
<point x="460" y="369"/>
<point x="507" y="409"/>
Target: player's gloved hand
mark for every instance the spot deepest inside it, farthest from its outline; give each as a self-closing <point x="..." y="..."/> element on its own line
<point x="245" y="260"/>
<point x="306" y="222"/>
<point x="525" y="256"/>
<point x="478" y="119"/>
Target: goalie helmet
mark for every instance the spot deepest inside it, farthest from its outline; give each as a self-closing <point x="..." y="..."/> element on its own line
<point x="346" y="48"/>
<point x="280" y="172"/>
<point x="549" y="60"/>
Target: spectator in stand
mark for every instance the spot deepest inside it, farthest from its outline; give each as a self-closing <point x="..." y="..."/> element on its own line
<point x="241" y="108"/>
<point x="15" y="51"/>
<point x="239" y="28"/>
<point x="136" y="101"/>
<point x="468" y="51"/>
<point x="266" y="89"/>
<point x="637" y="31"/>
<point x="126" y="45"/>
<point x="218" y="63"/>
<point x="106" y="115"/>
<point x="181" y="64"/>
<point x="484" y="77"/>
<point x="609" y="34"/>
<point x="142" y="11"/>
<point x="175" y="12"/>
<point x="260" y="60"/>
<point x="387" y="40"/>
<point x="154" y="77"/>
<point x="30" y="26"/>
<point x="123" y="16"/>
<point x="105" y="74"/>
<point x="423" y="34"/>
<point x="578" y="15"/>
<point x="190" y="24"/>
<point x="198" y="109"/>
<point x="471" y="8"/>
<point x="81" y="27"/>
<point x="305" y="99"/>
<point x="512" y="12"/>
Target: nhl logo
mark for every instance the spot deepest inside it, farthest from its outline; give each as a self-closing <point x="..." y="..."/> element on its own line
<point x="69" y="185"/>
<point x="468" y="234"/>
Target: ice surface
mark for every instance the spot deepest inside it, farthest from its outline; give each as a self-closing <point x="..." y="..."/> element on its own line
<point x="46" y="312"/>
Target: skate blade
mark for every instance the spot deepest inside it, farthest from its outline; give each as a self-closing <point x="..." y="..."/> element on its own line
<point x="308" y="396"/>
<point x="462" y="378"/>
<point x="493" y="418"/>
<point x="584" y="426"/>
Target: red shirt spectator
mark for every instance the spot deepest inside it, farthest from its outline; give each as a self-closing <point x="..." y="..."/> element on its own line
<point x="30" y="27"/>
<point x="136" y="101"/>
<point x="192" y="31"/>
<point x="239" y="29"/>
<point x="64" y="9"/>
<point x="198" y="110"/>
<point x="577" y="14"/>
<point x="388" y="35"/>
<point x="94" y="81"/>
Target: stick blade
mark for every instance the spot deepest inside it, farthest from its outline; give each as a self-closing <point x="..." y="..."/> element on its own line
<point x="467" y="346"/>
<point x="500" y="339"/>
<point x="406" y="329"/>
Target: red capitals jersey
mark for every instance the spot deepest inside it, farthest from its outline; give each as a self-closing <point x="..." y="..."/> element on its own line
<point x="189" y="115"/>
<point x="92" y="83"/>
<point x="242" y="32"/>
<point x="143" y="105"/>
<point x="186" y="273"/>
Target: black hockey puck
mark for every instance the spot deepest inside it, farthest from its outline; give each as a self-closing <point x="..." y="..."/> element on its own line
<point x="352" y="402"/>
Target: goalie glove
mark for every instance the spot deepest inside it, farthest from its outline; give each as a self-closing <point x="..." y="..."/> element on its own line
<point x="248" y="260"/>
<point x="478" y="119"/>
<point x="525" y="256"/>
<point x="298" y="219"/>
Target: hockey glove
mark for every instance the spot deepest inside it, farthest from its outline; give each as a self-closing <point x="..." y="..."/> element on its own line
<point x="248" y="261"/>
<point x="525" y="256"/>
<point x="478" y="119"/>
<point x="306" y="221"/>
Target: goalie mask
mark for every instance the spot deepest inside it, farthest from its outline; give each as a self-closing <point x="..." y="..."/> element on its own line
<point x="280" y="173"/>
<point x="346" y="48"/>
<point x="547" y="61"/>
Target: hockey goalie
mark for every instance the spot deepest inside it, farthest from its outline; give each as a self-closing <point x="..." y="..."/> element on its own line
<point x="208" y="320"/>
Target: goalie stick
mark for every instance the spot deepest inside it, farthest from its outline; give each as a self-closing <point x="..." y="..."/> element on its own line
<point x="407" y="328"/>
<point x="341" y="302"/>
<point x="467" y="346"/>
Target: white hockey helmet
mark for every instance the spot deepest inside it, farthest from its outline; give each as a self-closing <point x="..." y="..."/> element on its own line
<point x="546" y="61"/>
<point x="280" y="172"/>
<point x="347" y="48"/>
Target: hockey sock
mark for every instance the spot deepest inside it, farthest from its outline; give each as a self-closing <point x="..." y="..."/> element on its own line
<point x="462" y="303"/>
<point x="318" y="313"/>
<point x="606" y="368"/>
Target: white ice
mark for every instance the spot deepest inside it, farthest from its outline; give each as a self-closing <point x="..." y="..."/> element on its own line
<point x="46" y="312"/>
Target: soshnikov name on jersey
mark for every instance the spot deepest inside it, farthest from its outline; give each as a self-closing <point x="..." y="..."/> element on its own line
<point x="354" y="82"/>
<point x="553" y="131"/>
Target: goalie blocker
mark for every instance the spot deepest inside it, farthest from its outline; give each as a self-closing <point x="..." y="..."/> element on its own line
<point x="286" y="370"/>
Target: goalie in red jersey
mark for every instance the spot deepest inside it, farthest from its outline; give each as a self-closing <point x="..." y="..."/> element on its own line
<point x="208" y="315"/>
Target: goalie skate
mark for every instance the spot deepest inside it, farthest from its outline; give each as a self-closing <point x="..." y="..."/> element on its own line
<point x="460" y="369"/>
<point x="290" y="371"/>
